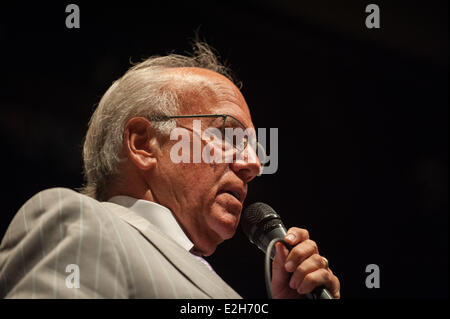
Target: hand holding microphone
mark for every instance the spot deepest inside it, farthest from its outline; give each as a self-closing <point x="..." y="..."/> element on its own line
<point x="296" y="272"/>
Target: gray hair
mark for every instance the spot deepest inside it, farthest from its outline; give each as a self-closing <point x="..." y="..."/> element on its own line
<point x="143" y="91"/>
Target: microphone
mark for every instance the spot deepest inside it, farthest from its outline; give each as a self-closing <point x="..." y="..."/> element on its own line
<point x="261" y="224"/>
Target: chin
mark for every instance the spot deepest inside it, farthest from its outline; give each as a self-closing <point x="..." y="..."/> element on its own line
<point x="221" y="233"/>
<point x="224" y="220"/>
<point x="225" y="226"/>
<point x="225" y="229"/>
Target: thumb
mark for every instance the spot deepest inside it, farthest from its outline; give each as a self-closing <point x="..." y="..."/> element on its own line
<point x="280" y="277"/>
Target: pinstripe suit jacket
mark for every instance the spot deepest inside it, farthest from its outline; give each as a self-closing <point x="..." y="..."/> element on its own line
<point x="119" y="254"/>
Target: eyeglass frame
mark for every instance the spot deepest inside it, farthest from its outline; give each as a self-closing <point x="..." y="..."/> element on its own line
<point x="158" y="118"/>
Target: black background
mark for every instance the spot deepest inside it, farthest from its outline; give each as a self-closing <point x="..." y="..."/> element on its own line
<point x="362" y="117"/>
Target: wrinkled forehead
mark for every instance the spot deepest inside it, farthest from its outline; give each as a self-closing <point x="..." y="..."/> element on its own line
<point x="202" y="91"/>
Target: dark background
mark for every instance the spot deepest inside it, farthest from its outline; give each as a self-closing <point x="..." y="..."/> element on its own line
<point x="362" y="117"/>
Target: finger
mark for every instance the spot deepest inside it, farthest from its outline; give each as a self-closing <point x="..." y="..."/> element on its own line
<point x="320" y="277"/>
<point x="336" y="289"/>
<point x="311" y="264"/>
<point x="296" y="235"/>
<point x="300" y="253"/>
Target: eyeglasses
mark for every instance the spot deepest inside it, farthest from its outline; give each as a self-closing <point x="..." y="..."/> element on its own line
<point x="229" y="122"/>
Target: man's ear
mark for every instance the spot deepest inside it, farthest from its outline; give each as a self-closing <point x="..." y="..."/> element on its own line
<point x="141" y="143"/>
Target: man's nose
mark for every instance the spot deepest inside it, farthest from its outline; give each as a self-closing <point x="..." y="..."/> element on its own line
<point x="246" y="165"/>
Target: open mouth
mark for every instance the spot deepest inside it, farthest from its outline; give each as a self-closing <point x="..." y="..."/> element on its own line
<point x="234" y="194"/>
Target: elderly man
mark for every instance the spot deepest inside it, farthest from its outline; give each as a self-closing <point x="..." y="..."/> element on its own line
<point x="144" y="221"/>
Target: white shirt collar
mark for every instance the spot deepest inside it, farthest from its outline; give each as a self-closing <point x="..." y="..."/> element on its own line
<point x="158" y="215"/>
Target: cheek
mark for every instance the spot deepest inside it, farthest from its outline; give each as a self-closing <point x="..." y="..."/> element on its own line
<point x="201" y="178"/>
<point x="195" y="186"/>
<point x="193" y="174"/>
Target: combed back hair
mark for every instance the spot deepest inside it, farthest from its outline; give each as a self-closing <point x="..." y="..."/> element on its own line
<point x="143" y="91"/>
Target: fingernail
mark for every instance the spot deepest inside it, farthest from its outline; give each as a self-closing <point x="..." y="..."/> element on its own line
<point x="289" y="266"/>
<point x="290" y="237"/>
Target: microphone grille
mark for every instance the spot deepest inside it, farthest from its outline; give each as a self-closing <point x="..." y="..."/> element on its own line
<point x="256" y="212"/>
<point x="254" y="215"/>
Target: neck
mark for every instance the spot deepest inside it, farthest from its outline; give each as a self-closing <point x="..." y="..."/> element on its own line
<point x="133" y="186"/>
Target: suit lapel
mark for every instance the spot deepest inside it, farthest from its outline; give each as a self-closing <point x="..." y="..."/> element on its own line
<point x="207" y="281"/>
